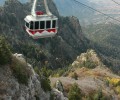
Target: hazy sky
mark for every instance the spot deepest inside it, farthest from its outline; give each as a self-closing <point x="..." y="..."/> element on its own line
<point x="99" y="3"/>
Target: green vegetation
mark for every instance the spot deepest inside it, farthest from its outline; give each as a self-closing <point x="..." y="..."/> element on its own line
<point x="44" y="74"/>
<point x="36" y="97"/>
<point x="99" y="96"/>
<point x="45" y="84"/>
<point x="60" y="72"/>
<point x="35" y="54"/>
<point x="20" y="70"/>
<point x="89" y="64"/>
<point x="117" y="89"/>
<point x="5" y="53"/>
<point x="74" y="93"/>
<point x="89" y="60"/>
<point x="115" y="82"/>
<point x="52" y="96"/>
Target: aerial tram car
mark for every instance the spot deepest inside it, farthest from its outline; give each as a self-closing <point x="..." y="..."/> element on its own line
<point x="40" y="25"/>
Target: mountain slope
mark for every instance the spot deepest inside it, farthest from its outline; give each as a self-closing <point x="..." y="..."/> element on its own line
<point x="3" y="1"/>
<point x="102" y="32"/>
<point x="58" y="51"/>
<point x="105" y="38"/>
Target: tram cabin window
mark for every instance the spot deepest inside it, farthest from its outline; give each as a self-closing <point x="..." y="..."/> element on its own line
<point x="48" y="24"/>
<point x="42" y="24"/>
<point x="54" y="24"/>
<point x="37" y="25"/>
<point x="31" y="25"/>
<point x="27" y="24"/>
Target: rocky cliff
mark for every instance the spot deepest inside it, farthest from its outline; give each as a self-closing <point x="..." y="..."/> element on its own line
<point x="11" y="89"/>
<point x="13" y="86"/>
<point x="19" y="81"/>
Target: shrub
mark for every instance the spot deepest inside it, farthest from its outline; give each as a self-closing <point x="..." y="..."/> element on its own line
<point x="5" y="54"/>
<point x="75" y="76"/>
<point x="98" y="95"/>
<point x="74" y="93"/>
<point x="45" y="84"/>
<point x="114" y="81"/>
<point x="52" y="96"/>
<point x="60" y="72"/>
<point x="36" y="97"/>
<point x="37" y="70"/>
<point x="44" y="74"/>
<point x="117" y="89"/>
<point x="89" y="64"/>
<point x="20" y="71"/>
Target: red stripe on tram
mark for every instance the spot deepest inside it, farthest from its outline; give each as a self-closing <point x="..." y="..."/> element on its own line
<point x="51" y="30"/>
<point x="35" y="31"/>
<point x="40" y="31"/>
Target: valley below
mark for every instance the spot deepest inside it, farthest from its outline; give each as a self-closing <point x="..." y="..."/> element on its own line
<point x="82" y="62"/>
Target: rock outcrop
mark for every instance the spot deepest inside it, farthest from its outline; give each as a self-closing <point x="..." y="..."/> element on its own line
<point x="11" y="89"/>
<point x="88" y="59"/>
<point x="92" y="76"/>
<point x="58" y="95"/>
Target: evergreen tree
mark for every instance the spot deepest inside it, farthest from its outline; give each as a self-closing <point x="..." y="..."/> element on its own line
<point x="99" y="95"/>
<point x="75" y="76"/>
<point x="5" y="54"/>
<point x="44" y="78"/>
<point x="74" y="93"/>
